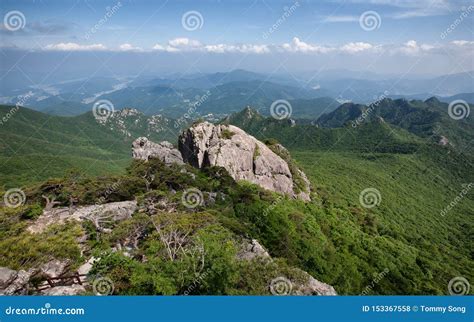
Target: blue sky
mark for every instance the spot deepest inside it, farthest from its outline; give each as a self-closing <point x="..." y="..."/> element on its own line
<point x="329" y="33"/>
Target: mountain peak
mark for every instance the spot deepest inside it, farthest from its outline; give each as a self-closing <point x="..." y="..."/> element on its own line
<point x="432" y="100"/>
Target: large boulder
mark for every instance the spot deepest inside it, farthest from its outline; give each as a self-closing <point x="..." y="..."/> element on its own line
<point x="100" y="215"/>
<point x="15" y="282"/>
<point x="243" y="156"/>
<point x="144" y="149"/>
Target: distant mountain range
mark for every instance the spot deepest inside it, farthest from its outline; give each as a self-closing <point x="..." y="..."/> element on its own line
<point x="226" y="92"/>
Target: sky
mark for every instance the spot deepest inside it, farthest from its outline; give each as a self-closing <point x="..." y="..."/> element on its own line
<point x="419" y="37"/>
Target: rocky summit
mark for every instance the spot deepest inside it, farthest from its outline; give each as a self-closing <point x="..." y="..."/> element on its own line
<point x="242" y="155"/>
<point x="143" y="149"/>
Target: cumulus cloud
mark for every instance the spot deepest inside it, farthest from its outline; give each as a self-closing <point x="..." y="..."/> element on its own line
<point x="411" y="47"/>
<point x="71" y="46"/>
<point x="298" y="45"/>
<point x="355" y="47"/>
<point x="129" y="47"/>
<point x="462" y="43"/>
<point x="187" y="45"/>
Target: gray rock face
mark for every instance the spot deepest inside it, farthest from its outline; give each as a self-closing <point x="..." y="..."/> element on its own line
<point x="144" y="149"/>
<point x="243" y="156"/>
<point x="99" y="215"/>
<point x="251" y="249"/>
<point x="15" y="282"/>
<point x="54" y="268"/>
<point x="304" y="285"/>
<point x="313" y="287"/>
<point x="64" y="290"/>
<point x="6" y="276"/>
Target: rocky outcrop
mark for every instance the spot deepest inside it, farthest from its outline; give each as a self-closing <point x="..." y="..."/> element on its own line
<point x="243" y="156"/>
<point x="14" y="282"/>
<point x="312" y="286"/>
<point x="304" y="284"/>
<point x="251" y="249"/>
<point x="144" y="149"/>
<point x="75" y="289"/>
<point x="99" y="215"/>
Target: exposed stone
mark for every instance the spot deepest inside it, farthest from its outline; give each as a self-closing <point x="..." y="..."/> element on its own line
<point x="243" y="156"/>
<point x="18" y="285"/>
<point x="313" y="287"/>
<point x="251" y="249"/>
<point x="99" y="215"/>
<point x="6" y="276"/>
<point x="85" y="268"/>
<point x="144" y="149"/>
<point x="443" y="140"/>
<point x="74" y="289"/>
<point x="54" y="268"/>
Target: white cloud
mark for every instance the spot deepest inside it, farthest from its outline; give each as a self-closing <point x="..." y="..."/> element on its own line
<point x="129" y="47"/>
<point x="184" y="42"/>
<point x="71" y="46"/>
<point x="462" y="43"/>
<point x="355" y="47"/>
<point x="190" y="45"/>
<point x="411" y="47"/>
<point x="297" y="45"/>
<point x="341" y="19"/>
